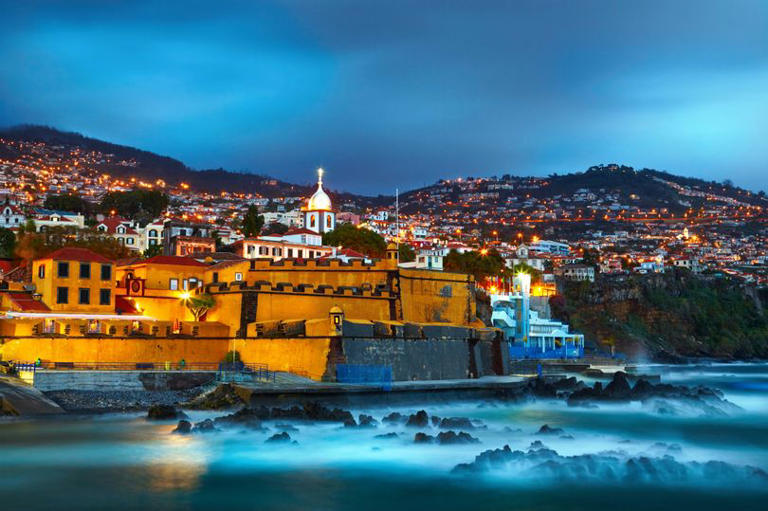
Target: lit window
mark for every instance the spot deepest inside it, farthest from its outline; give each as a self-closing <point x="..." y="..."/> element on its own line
<point x="238" y="276"/>
<point x="173" y="284"/>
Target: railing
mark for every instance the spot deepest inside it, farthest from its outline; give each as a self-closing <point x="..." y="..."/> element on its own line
<point x="234" y="371"/>
<point x="125" y="366"/>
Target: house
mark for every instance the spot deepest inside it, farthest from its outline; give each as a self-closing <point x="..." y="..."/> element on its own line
<point x="11" y="216"/>
<point x="122" y="230"/>
<point x="576" y="272"/>
<point x="46" y="218"/>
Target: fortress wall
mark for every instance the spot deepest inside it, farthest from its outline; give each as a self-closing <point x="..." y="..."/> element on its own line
<point x="433" y="296"/>
<point x="115" y="349"/>
<point x="301" y="355"/>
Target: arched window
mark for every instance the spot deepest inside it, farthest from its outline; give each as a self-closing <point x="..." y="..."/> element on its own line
<point x="312" y="221"/>
<point x="153" y="233"/>
<point x="328" y="221"/>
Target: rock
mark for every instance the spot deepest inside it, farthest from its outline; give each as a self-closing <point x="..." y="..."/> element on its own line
<point x="386" y="436"/>
<point x="286" y="427"/>
<point x="418" y="420"/>
<point x="423" y="438"/>
<point x="205" y="426"/>
<point x="451" y="437"/>
<point x="350" y="423"/>
<point x="247" y="417"/>
<point x="456" y="423"/>
<point x="279" y="438"/>
<point x="184" y="427"/>
<point x="223" y="396"/>
<point x="435" y="420"/>
<point x="164" y="412"/>
<point x="366" y="421"/>
<point x="540" y="388"/>
<point x="642" y="389"/>
<point x="618" y="389"/>
<point x="394" y="418"/>
<point x="547" y="430"/>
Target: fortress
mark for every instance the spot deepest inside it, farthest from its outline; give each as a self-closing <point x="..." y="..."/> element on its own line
<point x="298" y="315"/>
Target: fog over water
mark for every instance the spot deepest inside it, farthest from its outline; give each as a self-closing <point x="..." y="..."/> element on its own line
<point x="639" y="456"/>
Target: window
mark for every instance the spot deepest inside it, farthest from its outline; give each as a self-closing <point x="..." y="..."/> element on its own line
<point x="238" y="276"/>
<point x="62" y="270"/>
<point x="85" y="270"/>
<point x="312" y="221"/>
<point x="290" y="252"/>
<point x="106" y="272"/>
<point x="62" y="295"/>
<point x="152" y="242"/>
<point x="84" y="296"/>
<point x="104" y="296"/>
<point x="185" y="284"/>
<point x="328" y="221"/>
<point x="129" y="242"/>
<point x="215" y="276"/>
<point x="41" y="271"/>
<point x="153" y="233"/>
<point x="173" y="285"/>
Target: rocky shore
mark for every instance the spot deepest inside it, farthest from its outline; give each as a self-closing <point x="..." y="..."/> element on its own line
<point x="91" y="401"/>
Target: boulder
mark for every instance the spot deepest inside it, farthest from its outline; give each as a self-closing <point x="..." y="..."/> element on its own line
<point x="386" y="436"/>
<point x="423" y="438"/>
<point x="164" y="412"/>
<point x="546" y="429"/>
<point x="394" y="418"/>
<point x="366" y="421"/>
<point x="184" y="427"/>
<point x="451" y="437"/>
<point x="418" y="420"/>
<point x="618" y="389"/>
<point x="456" y="423"/>
<point x="205" y="426"/>
<point x="279" y="438"/>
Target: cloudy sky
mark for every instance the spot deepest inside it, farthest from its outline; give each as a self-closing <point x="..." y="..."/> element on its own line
<point x="387" y="93"/>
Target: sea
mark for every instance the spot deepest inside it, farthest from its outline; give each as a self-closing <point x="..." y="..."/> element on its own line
<point x="611" y="456"/>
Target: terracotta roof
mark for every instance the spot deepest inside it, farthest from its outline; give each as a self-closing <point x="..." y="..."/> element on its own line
<point x="177" y="260"/>
<point x="18" y="274"/>
<point x="299" y="230"/>
<point x="113" y="222"/>
<point x="6" y="266"/>
<point x="76" y="254"/>
<point x="26" y="303"/>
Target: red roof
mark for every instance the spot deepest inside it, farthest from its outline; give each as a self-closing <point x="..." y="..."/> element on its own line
<point x="299" y="230"/>
<point x="113" y="222"/>
<point x="76" y="254"/>
<point x="6" y="266"/>
<point x="178" y="260"/>
<point x="26" y="303"/>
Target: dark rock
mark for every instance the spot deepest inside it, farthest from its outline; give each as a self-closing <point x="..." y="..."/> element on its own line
<point x="350" y="423"/>
<point x="418" y="420"/>
<point x="386" y="436"/>
<point x="539" y="387"/>
<point x="456" y="423"/>
<point x="287" y="427"/>
<point x="394" y="418"/>
<point x="366" y="421"/>
<point x="183" y="428"/>
<point x="247" y="417"/>
<point x="223" y="396"/>
<point x="164" y="412"/>
<point x="435" y="420"/>
<point x="205" y="426"/>
<point x="547" y="430"/>
<point x="566" y="437"/>
<point x="423" y="438"/>
<point x="451" y="437"/>
<point x="618" y="389"/>
<point x="278" y="438"/>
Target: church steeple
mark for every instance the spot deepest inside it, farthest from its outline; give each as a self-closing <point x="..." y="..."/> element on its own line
<point x="318" y="215"/>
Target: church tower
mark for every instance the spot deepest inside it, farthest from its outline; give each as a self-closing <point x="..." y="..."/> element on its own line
<point x="318" y="214"/>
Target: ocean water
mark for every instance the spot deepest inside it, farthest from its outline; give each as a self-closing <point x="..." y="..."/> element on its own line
<point x="623" y="456"/>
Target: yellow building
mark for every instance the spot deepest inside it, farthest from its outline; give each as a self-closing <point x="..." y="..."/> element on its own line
<point x="75" y="279"/>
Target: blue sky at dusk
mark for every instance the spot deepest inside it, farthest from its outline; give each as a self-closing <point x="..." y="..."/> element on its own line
<point x="401" y="93"/>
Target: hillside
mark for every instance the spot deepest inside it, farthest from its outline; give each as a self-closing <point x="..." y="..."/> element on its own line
<point x="150" y="167"/>
<point x="664" y="316"/>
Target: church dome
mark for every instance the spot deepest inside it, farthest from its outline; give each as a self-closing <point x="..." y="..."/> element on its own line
<point x="319" y="200"/>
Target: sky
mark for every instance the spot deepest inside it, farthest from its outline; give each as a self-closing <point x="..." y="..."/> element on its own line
<point x="401" y="93"/>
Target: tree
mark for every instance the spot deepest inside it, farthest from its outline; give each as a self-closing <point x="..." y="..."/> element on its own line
<point x="359" y="239"/>
<point x="406" y="254"/>
<point x="33" y="245"/>
<point x="152" y="251"/>
<point x="136" y="204"/>
<point x="481" y="265"/>
<point x="275" y="228"/>
<point x="7" y="242"/>
<point x="199" y="305"/>
<point x="252" y="222"/>
<point x="68" y="202"/>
